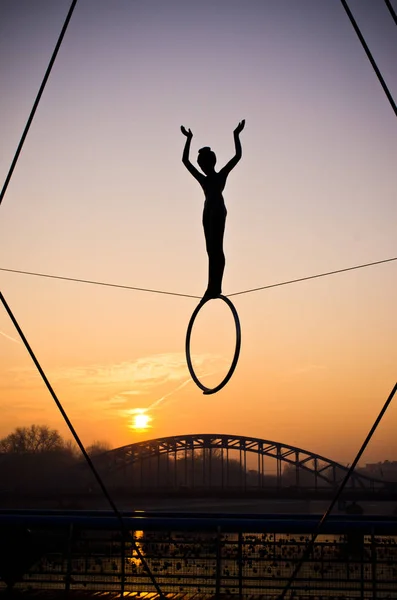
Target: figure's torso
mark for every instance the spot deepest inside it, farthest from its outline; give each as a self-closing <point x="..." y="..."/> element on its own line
<point x="213" y="186"/>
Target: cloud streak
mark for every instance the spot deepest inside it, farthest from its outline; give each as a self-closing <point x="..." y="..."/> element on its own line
<point x="123" y="386"/>
<point x="9" y="337"/>
<point x="155" y="405"/>
<point x="307" y="369"/>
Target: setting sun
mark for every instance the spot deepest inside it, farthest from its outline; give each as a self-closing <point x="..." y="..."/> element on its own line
<point x="141" y="421"/>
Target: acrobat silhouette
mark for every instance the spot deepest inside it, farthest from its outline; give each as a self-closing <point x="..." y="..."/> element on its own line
<point x="214" y="214"/>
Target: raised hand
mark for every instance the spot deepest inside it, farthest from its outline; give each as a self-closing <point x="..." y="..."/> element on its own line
<point x="187" y="132"/>
<point x="240" y="127"/>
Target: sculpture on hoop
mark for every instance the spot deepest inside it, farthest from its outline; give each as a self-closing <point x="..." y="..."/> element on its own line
<point x="214" y="214"/>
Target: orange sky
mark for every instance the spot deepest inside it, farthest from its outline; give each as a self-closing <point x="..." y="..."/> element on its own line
<point x="100" y="193"/>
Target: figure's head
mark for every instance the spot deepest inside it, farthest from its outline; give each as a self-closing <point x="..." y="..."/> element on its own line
<point x="206" y="159"/>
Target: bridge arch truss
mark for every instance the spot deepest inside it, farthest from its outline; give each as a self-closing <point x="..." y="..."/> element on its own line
<point x="219" y="461"/>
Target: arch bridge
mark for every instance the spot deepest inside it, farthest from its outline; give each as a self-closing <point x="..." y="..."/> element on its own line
<point x="222" y="461"/>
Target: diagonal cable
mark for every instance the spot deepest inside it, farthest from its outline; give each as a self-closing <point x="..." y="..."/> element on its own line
<point x="369" y="55"/>
<point x="80" y="445"/>
<point x="24" y="340"/>
<point x="36" y="102"/>
<point x="391" y="10"/>
<point x="327" y="513"/>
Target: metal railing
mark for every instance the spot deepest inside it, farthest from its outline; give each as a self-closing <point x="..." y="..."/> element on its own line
<point x="237" y="555"/>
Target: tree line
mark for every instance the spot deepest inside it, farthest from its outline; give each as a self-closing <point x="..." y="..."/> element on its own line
<point x="39" y="439"/>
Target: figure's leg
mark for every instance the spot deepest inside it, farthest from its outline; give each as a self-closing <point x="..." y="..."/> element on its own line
<point x="216" y="269"/>
<point x="214" y="230"/>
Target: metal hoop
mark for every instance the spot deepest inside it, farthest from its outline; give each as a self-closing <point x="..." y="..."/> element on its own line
<point x="205" y="389"/>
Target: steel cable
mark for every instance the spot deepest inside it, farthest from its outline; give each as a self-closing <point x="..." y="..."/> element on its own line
<point x="37" y="100"/>
<point x="327" y="513"/>
<point x="21" y="334"/>
<point x="391" y="10"/>
<point x="98" y="478"/>
<point x="369" y="55"/>
<point x="168" y="293"/>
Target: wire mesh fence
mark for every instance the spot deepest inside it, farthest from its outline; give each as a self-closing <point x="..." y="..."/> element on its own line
<point x="356" y="562"/>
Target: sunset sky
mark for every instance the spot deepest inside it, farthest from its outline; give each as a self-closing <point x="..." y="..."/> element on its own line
<point x="100" y="193"/>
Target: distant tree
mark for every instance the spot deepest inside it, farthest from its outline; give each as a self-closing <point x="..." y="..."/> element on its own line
<point x="71" y="448"/>
<point x="32" y="440"/>
<point x="98" y="447"/>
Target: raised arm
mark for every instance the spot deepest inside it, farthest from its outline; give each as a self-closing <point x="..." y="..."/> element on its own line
<point x="185" y="156"/>
<point x="233" y="162"/>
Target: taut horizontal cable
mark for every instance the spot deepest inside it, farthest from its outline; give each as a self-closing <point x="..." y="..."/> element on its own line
<point x="326" y="274"/>
<point x="168" y="293"/>
<point x="103" y="283"/>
